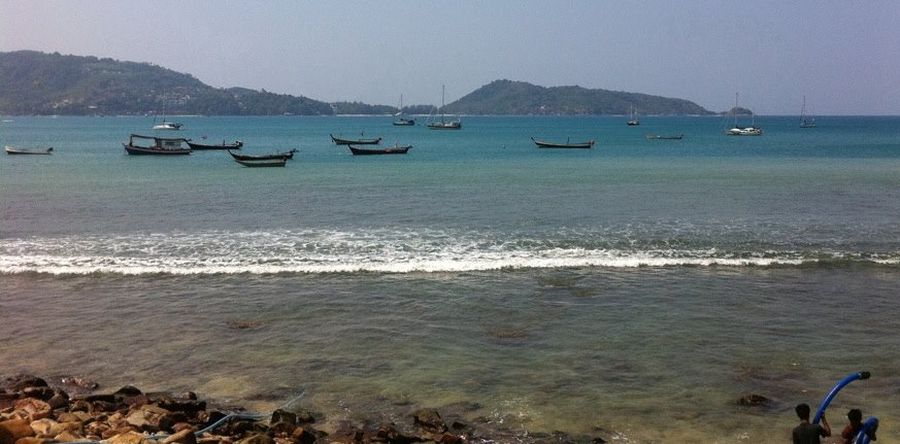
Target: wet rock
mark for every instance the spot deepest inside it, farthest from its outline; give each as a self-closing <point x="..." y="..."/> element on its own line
<point x="103" y="397"/>
<point x="129" y="437"/>
<point x="449" y="438"/>
<point x="185" y="436"/>
<point x="302" y="435"/>
<point x="35" y="408"/>
<point x="186" y="406"/>
<point x="12" y="430"/>
<point x="126" y="391"/>
<point x="80" y="383"/>
<point x="58" y="401"/>
<point x="305" y="417"/>
<point x="103" y="406"/>
<point x="283" y="416"/>
<point x="79" y="406"/>
<point x="42" y="393"/>
<point x="7" y="400"/>
<point x="754" y="400"/>
<point x="429" y="420"/>
<point x="19" y="383"/>
<point x="281" y="429"/>
<point x="347" y="434"/>
<point x="388" y="433"/>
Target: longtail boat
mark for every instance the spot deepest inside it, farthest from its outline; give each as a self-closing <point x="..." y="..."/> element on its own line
<point x="396" y="149"/>
<point x="246" y="157"/>
<point x="160" y="146"/>
<point x="279" y="162"/>
<point x="664" y="137"/>
<point x="44" y="151"/>
<point x="545" y="144"/>
<point x="236" y="145"/>
<point x="340" y="141"/>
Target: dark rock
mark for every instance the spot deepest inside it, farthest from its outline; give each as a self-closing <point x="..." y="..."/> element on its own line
<point x="281" y="429"/>
<point x="13" y="429"/>
<point x="259" y="438"/>
<point x="388" y="433"/>
<point x="186" y="406"/>
<point x="347" y="434"/>
<point x="302" y="435"/>
<point x="80" y="406"/>
<point x="284" y="416"/>
<point x="7" y="400"/>
<point x="754" y="400"/>
<point x="429" y="420"/>
<point x="81" y="383"/>
<point x="457" y="425"/>
<point x="100" y="397"/>
<point x="128" y="390"/>
<point x="42" y="393"/>
<point x="189" y="395"/>
<point x="305" y="417"/>
<point x="103" y="406"/>
<point x="449" y="438"/>
<point x="19" y="383"/>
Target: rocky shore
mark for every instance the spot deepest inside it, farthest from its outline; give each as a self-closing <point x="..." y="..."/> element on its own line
<point x="70" y="409"/>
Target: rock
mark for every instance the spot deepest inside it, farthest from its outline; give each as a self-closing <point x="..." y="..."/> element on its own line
<point x="429" y="420"/>
<point x="33" y="440"/>
<point x="35" y="408"/>
<point x="128" y="438"/>
<point x="68" y="437"/>
<point x="281" y="429"/>
<point x="388" y="433"/>
<point x="13" y="429"/>
<point x="754" y="400"/>
<point x="283" y="416"/>
<point x="7" y="400"/>
<point x="62" y="427"/>
<point x="128" y="390"/>
<point x="103" y="406"/>
<point x="449" y="438"/>
<point x="42" y="393"/>
<point x="80" y="406"/>
<point x="187" y="406"/>
<point x="81" y="383"/>
<point x="185" y="436"/>
<point x="42" y="427"/>
<point x="258" y="438"/>
<point x="301" y="435"/>
<point x="137" y="418"/>
<point x="305" y="417"/>
<point x="21" y="382"/>
<point x="58" y="401"/>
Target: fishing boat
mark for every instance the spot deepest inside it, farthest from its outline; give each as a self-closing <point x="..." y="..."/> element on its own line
<point x="444" y="124"/>
<point x="396" y="149"/>
<point x="160" y="146"/>
<point x="545" y="144"/>
<point x="44" y="151"/>
<point x="402" y="121"/>
<point x="263" y="163"/>
<point x="340" y="141"/>
<point x="736" y="130"/>
<point x="664" y="137"/>
<point x="169" y="126"/>
<point x="246" y="157"/>
<point x="806" y="121"/>
<point x="236" y="145"/>
<point x="634" y="120"/>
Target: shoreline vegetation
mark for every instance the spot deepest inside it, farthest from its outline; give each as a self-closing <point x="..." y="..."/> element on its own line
<point x="37" y="83"/>
<point x="71" y="409"/>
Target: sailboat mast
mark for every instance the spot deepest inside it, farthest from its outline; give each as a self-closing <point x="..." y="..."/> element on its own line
<point x="735" y="109"/>
<point x="443" y="87"/>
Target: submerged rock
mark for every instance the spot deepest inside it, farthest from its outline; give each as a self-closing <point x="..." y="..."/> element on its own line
<point x="429" y="420"/>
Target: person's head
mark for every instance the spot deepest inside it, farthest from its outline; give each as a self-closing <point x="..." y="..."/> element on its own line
<point x="855" y="416"/>
<point x="802" y="410"/>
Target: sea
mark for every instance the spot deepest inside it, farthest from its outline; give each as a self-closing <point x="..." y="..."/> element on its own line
<point x="636" y="291"/>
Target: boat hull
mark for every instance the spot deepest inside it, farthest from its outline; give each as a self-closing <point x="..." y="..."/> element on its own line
<point x="339" y="141"/>
<point x="370" y="152"/>
<point x="250" y="158"/>
<point x="405" y="122"/>
<point x="266" y="163"/>
<point x="445" y="126"/>
<point x="225" y="146"/>
<point x="579" y="145"/>
<point x="37" y="151"/>
<point x="144" y="151"/>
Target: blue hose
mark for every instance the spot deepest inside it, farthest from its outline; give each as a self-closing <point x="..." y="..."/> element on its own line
<point x="834" y="391"/>
<point x="867" y="432"/>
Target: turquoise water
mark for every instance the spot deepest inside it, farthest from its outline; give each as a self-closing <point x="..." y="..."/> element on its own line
<point x="637" y="288"/>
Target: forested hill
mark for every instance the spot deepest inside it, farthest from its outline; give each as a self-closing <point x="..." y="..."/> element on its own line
<point x="511" y="97"/>
<point x="38" y="83"/>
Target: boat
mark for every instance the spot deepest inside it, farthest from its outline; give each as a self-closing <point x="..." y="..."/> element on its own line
<point x="805" y="121"/>
<point x="170" y="126"/>
<point x="236" y="145"/>
<point x="736" y="130"/>
<point x="396" y="149"/>
<point x="402" y="121"/>
<point x="664" y="137"/>
<point x="340" y="141"/>
<point x="246" y="157"/>
<point x="545" y="144"/>
<point x="634" y="120"/>
<point x="44" y="151"/>
<point x="263" y="163"/>
<point x="160" y="146"/>
<point x="444" y="124"/>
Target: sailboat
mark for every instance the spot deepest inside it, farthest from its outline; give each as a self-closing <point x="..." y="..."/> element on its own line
<point x="169" y="126"/>
<point x="444" y="124"/>
<point x="806" y="122"/>
<point x="736" y="130"/>
<point x="402" y="121"/>
<point x="634" y="120"/>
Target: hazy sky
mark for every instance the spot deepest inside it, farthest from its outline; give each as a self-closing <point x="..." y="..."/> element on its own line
<point x="843" y="55"/>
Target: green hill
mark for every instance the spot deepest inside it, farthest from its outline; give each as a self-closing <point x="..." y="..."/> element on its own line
<point x="511" y="97"/>
<point x="39" y="83"/>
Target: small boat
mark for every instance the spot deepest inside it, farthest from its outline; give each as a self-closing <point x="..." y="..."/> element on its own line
<point x="634" y="120"/>
<point x="236" y="145"/>
<point x="44" y="151"/>
<point x="340" y="141"/>
<point x="806" y="121"/>
<point x="402" y="121"/>
<point x="444" y="124"/>
<point x="545" y="144"/>
<point x="160" y="146"/>
<point x="263" y="163"/>
<point x="664" y="137"/>
<point x="245" y="157"/>
<point x="170" y="126"/>
<point x="736" y="130"/>
<point x="396" y="149"/>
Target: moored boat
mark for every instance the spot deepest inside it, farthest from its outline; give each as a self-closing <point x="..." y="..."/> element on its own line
<point x="236" y="145"/>
<point x="664" y="137"/>
<point x="402" y="121"/>
<point x="736" y="130"/>
<point x="263" y="163"/>
<point x="160" y="146"/>
<point x="169" y="126"/>
<point x="806" y="121"/>
<point x="341" y="141"/>
<point x="634" y="120"/>
<point x="44" y="151"/>
<point x="545" y="144"/>
<point x="454" y="124"/>
<point x="247" y="157"/>
<point x="396" y="149"/>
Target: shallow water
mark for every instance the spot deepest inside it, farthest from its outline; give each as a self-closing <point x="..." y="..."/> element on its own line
<point x="639" y="288"/>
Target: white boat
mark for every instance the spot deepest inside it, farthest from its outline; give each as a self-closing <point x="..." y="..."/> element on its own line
<point x="634" y="120"/>
<point x="805" y="121"/>
<point x="12" y="150"/>
<point x="170" y="126"/>
<point x="444" y="124"/>
<point x="401" y="120"/>
<point x="736" y="130"/>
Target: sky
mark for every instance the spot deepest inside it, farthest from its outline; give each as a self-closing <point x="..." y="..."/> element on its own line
<point x="844" y="56"/>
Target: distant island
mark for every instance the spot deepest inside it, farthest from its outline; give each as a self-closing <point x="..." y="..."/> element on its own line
<point x="36" y="83"/>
